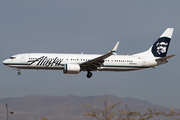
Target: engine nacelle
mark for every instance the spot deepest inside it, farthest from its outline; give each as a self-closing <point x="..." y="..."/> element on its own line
<point x="71" y="69"/>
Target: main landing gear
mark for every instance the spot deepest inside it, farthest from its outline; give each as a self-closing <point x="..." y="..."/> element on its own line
<point x="89" y="74"/>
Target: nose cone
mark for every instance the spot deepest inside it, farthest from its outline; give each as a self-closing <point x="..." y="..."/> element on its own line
<point x="5" y="62"/>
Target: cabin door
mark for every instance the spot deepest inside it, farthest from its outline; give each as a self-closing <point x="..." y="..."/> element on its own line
<point x="144" y="62"/>
<point x="22" y="58"/>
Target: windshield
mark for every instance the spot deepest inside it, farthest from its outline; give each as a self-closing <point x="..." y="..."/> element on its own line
<point x="12" y="57"/>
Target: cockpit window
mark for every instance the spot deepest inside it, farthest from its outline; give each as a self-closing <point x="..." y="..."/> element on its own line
<point x="12" y="57"/>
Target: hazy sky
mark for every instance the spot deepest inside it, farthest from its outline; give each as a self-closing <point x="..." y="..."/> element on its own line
<point x="75" y="26"/>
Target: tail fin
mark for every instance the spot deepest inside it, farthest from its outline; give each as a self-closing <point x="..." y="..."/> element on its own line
<point x="160" y="47"/>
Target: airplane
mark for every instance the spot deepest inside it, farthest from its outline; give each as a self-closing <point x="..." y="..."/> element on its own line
<point x="75" y="63"/>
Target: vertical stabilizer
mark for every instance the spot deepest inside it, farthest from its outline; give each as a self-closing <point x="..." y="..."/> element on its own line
<point x="160" y="47"/>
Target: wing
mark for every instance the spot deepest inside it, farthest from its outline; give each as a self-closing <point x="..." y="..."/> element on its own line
<point x="97" y="62"/>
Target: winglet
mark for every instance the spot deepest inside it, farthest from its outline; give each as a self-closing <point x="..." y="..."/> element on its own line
<point x="115" y="47"/>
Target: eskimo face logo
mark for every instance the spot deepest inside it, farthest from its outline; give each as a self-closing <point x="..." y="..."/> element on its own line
<point x="161" y="47"/>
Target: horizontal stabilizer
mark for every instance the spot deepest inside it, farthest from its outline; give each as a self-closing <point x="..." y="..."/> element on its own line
<point x="165" y="58"/>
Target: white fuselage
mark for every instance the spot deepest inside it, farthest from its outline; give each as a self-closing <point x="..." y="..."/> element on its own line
<point x="57" y="61"/>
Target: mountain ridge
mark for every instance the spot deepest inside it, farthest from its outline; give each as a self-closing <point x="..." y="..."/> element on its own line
<point x="65" y="107"/>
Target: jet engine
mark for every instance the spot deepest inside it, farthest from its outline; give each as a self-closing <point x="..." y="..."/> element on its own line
<point x="71" y="69"/>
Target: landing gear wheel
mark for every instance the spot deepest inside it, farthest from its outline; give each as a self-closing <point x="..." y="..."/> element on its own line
<point x="89" y="74"/>
<point x="19" y="73"/>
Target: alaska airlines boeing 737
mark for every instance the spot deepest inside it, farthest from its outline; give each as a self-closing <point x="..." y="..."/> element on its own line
<point x="75" y="63"/>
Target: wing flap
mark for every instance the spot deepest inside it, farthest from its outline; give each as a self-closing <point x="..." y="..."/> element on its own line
<point x="96" y="62"/>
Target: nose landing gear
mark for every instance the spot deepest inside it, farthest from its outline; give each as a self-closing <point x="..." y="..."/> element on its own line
<point x="89" y="74"/>
<point x="19" y="73"/>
